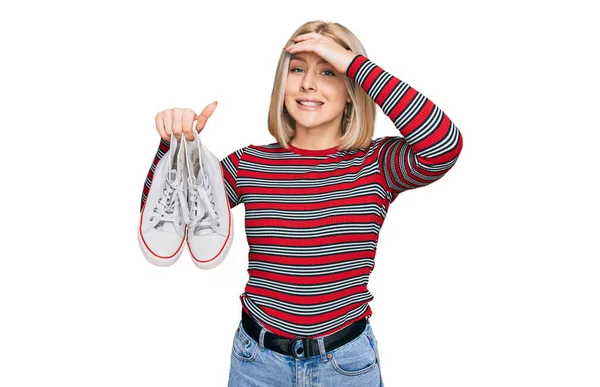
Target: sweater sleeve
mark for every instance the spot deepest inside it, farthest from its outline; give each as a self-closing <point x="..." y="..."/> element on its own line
<point x="163" y="147"/>
<point x="430" y="142"/>
<point x="229" y="166"/>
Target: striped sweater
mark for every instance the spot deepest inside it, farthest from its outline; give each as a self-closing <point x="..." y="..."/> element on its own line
<point x="313" y="216"/>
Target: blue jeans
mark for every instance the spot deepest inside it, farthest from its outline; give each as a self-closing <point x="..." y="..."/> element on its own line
<point x="354" y="364"/>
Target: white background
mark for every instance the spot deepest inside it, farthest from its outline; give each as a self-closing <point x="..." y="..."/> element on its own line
<point x="488" y="277"/>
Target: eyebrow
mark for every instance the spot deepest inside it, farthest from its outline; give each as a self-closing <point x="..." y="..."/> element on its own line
<point x="302" y="60"/>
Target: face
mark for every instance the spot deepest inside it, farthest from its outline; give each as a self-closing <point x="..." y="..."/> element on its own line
<point x="309" y="76"/>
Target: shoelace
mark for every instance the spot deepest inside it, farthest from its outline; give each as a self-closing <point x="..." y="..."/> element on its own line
<point x="199" y="219"/>
<point x="172" y="203"/>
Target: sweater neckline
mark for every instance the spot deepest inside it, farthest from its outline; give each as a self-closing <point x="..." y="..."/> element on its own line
<point x="313" y="152"/>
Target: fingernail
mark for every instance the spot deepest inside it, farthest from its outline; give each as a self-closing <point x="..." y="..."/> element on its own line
<point x="214" y="103"/>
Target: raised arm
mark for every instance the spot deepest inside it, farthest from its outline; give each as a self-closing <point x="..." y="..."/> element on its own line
<point x="431" y="142"/>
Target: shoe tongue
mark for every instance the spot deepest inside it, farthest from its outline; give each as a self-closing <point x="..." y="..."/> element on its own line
<point x="201" y="205"/>
<point x="174" y="177"/>
<point x="201" y="208"/>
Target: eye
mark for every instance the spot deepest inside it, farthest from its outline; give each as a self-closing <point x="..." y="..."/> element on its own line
<point x="298" y="68"/>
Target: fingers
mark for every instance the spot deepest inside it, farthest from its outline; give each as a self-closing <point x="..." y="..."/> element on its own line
<point x="187" y="124"/>
<point x="160" y="127"/>
<point x="204" y="115"/>
<point x="178" y="122"/>
<point x="177" y="118"/>
<point x="167" y="116"/>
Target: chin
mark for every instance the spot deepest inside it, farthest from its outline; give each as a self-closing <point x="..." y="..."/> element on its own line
<point x="310" y="123"/>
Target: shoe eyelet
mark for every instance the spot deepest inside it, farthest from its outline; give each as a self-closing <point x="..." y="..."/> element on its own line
<point x="218" y="224"/>
<point x="151" y="218"/>
<point x="154" y="210"/>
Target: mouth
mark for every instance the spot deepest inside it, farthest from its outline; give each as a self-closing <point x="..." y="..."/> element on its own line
<point x="309" y="104"/>
<point x="309" y="101"/>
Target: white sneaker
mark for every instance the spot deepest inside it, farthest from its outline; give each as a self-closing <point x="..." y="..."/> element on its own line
<point x="210" y="227"/>
<point x="162" y="227"/>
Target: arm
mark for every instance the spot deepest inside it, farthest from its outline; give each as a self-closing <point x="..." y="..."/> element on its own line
<point x="229" y="166"/>
<point x="163" y="147"/>
<point x="431" y="142"/>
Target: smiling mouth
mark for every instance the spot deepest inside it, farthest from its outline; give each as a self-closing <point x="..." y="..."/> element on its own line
<point x="309" y="106"/>
<point x="309" y="103"/>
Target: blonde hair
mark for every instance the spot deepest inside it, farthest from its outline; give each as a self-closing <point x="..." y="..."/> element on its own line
<point x="357" y="132"/>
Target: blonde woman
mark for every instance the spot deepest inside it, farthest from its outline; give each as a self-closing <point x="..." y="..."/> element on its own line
<point x="315" y="200"/>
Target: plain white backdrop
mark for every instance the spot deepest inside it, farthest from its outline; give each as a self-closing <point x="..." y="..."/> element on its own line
<point x="488" y="277"/>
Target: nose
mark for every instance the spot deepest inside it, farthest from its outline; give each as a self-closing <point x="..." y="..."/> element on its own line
<point x="308" y="82"/>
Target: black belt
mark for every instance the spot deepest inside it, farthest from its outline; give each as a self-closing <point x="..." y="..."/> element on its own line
<point x="309" y="346"/>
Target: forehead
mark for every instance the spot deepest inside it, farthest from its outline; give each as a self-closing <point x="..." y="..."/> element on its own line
<point x="307" y="57"/>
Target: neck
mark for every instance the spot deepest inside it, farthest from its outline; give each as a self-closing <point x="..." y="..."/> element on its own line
<point x="313" y="144"/>
<point x="313" y="139"/>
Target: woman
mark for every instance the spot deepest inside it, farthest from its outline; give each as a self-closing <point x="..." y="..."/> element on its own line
<point x="315" y="201"/>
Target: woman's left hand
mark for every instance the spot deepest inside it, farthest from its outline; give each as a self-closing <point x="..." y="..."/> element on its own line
<point x="325" y="47"/>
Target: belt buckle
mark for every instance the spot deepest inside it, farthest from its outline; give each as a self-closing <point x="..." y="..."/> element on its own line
<point x="292" y="347"/>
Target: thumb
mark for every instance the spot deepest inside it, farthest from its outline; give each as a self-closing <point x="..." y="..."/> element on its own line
<point x="204" y="115"/>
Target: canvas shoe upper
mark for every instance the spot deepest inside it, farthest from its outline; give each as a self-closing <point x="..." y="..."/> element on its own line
<point x="163" y="218"/>
<point x="210" y="228"/>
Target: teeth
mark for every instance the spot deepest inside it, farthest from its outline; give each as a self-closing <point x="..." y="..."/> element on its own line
<point x="310" y="103"/>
